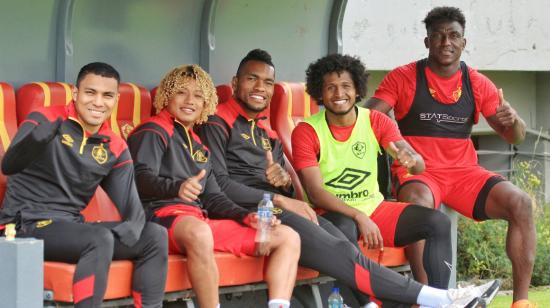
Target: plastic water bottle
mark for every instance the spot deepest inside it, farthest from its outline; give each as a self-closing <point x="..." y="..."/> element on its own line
<point x="335" y="300"/>
<point x="264" y="219"/>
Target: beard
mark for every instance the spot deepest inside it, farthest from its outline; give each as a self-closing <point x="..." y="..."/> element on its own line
<point x="342" y="112"/>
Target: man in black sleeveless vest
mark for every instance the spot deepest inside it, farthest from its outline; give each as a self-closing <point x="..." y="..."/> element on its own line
<point x="436" y="102"/>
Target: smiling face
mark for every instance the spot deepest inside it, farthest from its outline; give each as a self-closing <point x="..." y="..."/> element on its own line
<point x="445" y="42"/>
<point x="94" y="100"/>
<point x="253" y="86"/>
<point x="338" y="93"/>
<point x="187" y="104"/>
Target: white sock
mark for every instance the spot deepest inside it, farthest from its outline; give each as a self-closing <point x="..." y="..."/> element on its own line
<point x="278" y="303"/>
<point x="432" y="297"/>
<point x="218" y="306"/>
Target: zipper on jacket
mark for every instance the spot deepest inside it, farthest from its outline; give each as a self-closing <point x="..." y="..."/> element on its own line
<point x="84" y="138"/>
<point x="252" y="131"/>
<point x="188" y="139"/>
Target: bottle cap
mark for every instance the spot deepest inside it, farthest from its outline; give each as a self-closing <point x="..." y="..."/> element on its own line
<point x="336" y="289"/>
<point x="267" y="196"/>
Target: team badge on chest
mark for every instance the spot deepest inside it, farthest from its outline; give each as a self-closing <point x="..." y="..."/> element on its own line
<point x="200" y="157"/>
<point x="266" y="144"/>
<point x="126" y="129"/>
<point x="100" y="154"/>
<point x="359" y="149"/>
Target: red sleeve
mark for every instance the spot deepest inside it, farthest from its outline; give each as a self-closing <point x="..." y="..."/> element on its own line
<point x="397" y="89"/>
<point x="305" y="147"/>
<point x="384" y="128"/>
<point x="485" y="94"/>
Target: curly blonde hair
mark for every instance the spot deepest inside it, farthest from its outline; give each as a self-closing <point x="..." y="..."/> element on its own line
<point x="177" y="78"/>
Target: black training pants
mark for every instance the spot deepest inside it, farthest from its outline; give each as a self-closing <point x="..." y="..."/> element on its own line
<point x="414" y="224"/>
<point x="326" y="249"/>
<point x="92" y="247"/>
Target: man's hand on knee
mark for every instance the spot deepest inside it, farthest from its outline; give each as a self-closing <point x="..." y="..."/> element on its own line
<point x="296" y="206"/>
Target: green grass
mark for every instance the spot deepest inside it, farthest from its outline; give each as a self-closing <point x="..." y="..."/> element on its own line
<point x="541" y="297"/>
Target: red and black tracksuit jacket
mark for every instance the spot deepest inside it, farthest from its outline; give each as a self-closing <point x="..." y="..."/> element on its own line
<point x="54" y="168"/>
<point x="240" y="167"/>
<point x="166" y="154"/>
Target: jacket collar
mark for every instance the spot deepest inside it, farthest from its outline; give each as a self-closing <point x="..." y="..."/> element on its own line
<point x="237" y="108"/>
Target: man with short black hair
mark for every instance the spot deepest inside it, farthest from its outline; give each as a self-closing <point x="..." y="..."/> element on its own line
<point x="56" y="161"/>
<point x="436" y="101"/>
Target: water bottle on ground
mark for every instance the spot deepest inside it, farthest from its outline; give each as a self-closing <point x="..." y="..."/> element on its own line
<point x="335" y="300"/>
<point x="264" y="219"/>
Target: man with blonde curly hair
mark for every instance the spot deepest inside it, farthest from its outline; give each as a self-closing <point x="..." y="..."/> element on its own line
<point x="179" y="191"/>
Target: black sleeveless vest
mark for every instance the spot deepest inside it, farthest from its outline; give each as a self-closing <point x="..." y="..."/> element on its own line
<point x="428" y="117"/>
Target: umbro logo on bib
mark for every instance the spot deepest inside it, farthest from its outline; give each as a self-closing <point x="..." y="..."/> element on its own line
<point x="348" y="179"/>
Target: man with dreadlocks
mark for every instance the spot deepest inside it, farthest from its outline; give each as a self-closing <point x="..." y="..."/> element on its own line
<point x="179" y="190"/>
<point x="436" y="102"/>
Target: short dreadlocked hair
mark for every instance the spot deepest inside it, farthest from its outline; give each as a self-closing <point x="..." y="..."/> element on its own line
<point x="444" y="13"/>
<point x="177" y="78"/>
<point x="336" y="63"/>
<point x="256" y="55"/>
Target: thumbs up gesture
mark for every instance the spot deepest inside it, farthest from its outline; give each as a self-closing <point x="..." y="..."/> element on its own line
<point x="192" y="188"/>
<point x="403" y="156"/>
<point x="506" y="115"/>
<point x="275" y="174"/>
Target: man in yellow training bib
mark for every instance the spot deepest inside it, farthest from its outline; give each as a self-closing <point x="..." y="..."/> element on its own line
<point x="335" y="154"/>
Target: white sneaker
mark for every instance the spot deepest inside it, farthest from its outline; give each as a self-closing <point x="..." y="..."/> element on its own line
<point x="473" y="296"/>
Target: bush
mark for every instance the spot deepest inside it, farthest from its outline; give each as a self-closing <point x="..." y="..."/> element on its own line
<point x="482" y="250"/>
<point x="482" y="246"/>
<point x="541" y="274"/>
<point x="527" y="175"/>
